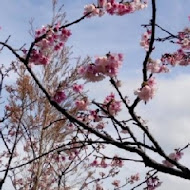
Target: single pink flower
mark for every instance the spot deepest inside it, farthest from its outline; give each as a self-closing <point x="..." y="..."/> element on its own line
<point x="134" y="178"/>
<point x="77" y="88"/>
<point x="116" y="183"/>
<point x="146" y="93"/>
<point x="94" y="163"/>
<point x="103" y="163"/>
<point x="81" y="104"/>
<point x="59" y="96"/>
<point x="111" y="105"/>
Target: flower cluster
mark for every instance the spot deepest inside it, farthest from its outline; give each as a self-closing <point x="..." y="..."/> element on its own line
<point x="47" y="40"/>
<point x="82" y="104"/>
<point x="114" y="8"/>
<point x="147" y="91"/>
<point x="145" y="40"/>
<point x="103" y="66"/>
<point x="111" y="105"/>
<point x="178" y="58"/>
<point x="94" y="115"/>
<point x="116" y="183"/>
<point x="152" y="182"/>
<point x="59" y="96"/>
<point x="176" y="156"/>
<point x="184" y="39"/>
<point x="78" y="88"/>
<point x="134" y="178"/>
<point x="182" y="55"/>
<point x="116" y="162"/>
<point x="155" y="66"/>
<point x="101" y="164"/>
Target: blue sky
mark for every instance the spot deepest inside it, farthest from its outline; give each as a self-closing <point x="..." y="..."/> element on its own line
<point x="169" y="112"/>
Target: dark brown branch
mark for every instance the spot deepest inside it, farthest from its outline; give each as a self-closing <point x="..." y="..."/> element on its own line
<point x="5" y="43"/>
<point x="153" y="22"/>
<point x="5" y="143"/>
<point x="172" y="35"/>
<point x="120" y="158"/>
<point x="52" y="122"/>
<point x="13" y="51"/>
<point x="76" y="21"/>
<point x="117" y="122"/>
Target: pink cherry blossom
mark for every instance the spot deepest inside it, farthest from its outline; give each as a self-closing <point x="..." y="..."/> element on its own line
<point x="77" y="88"/>
<point x="181" y="56"/>
<point x="91" y="9"/>
<point x="151" y="82"/>
<point x="53" y="40"/>
<point x="104" y="66"/>
<point x="59" y="96"/>
<point x="103" y="163"/>
<point x="176" y="156"/>
<point x="111" y="105"/>
<point x="81" y="104"/>
<point x="117" y="162"/>
<point x="99" y="187"/>
<point x="94" y="163"/>
<point x="114" y="8"/>
<point x="147" y="92"/>
<point x="177" y="58"/>
<point x="184" y="39"/>
<point x="145" y="39"/>
<point x="102" y="3"/>
<point x="95" y="116"/>
<point x="153" y="182"/>
<point x="90" y="73"/>
<point x="100" y="125"/>
<point x="116" y="183"/>
<point x="155" y="66"/>
<point x="134" y="178"/>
